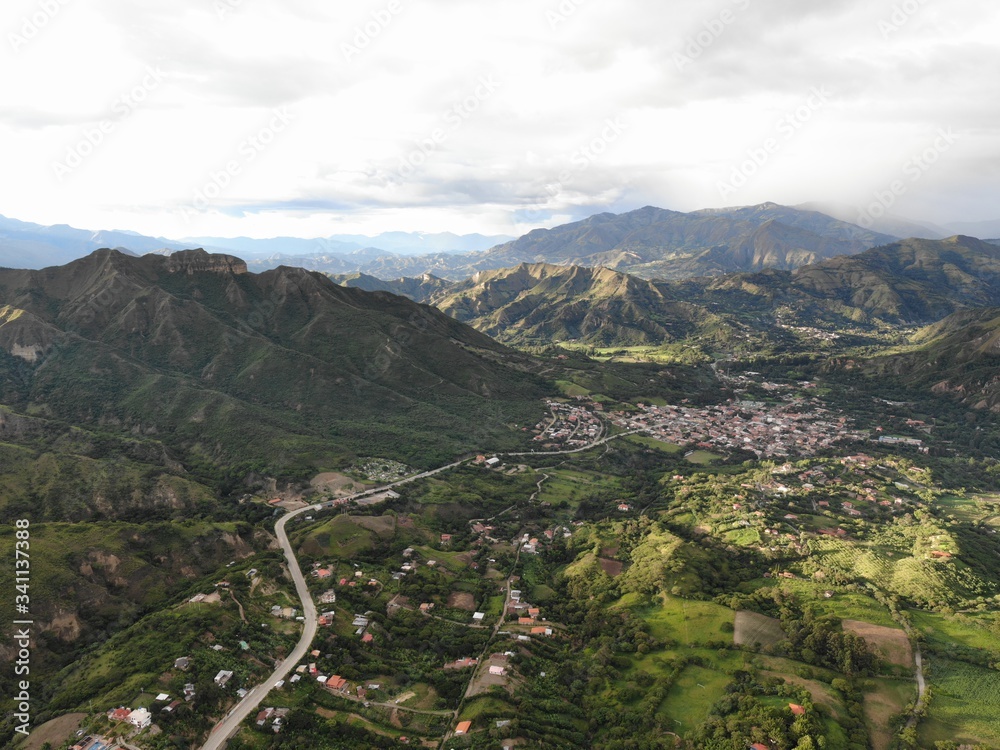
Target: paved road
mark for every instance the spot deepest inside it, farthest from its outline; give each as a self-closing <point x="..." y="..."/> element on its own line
<point x="921" y="687"/>
<point x="384" y="487"/>
<point x="586" y="447"/>
<point x="228" y="726"/>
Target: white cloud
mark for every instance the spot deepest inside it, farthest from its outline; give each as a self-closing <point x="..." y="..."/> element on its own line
<point x="509" y="165"/>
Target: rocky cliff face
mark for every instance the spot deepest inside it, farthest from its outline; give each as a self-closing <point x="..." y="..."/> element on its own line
<point x="191" y="262"/>
<point x="24" y="336"/>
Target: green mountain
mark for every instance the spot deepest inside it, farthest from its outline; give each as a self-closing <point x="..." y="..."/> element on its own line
<point x="958" y="356"/>
<point x="910" y="282"/>
<point x="419" y="290"/>
<point x="657" y="243"/>
<point x="538" y="304"/>
<point x="284" y="368"/>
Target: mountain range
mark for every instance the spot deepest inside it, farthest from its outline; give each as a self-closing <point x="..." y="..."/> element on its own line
<point x="225" y="366"/>
<point x="653" y="243"/>
<point x="911" y="282"/>
<point x="27" y="245"/>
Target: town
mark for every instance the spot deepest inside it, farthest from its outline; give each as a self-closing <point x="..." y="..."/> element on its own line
<point x="769" y="431"/>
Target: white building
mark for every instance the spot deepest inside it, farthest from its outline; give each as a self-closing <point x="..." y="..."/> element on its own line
<point x="141" y="718"/>
<point x="223" y="677"/>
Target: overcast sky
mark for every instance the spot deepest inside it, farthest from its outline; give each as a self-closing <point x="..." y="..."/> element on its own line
<point x="306" y="118"/>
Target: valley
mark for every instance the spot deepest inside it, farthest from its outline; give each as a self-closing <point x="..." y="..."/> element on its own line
<point x="570" y="508"/>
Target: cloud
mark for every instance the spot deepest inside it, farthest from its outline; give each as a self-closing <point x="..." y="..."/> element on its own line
<point x="697" y="86"/>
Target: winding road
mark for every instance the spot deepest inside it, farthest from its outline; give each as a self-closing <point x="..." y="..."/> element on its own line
<point x="229" y="725"/>
<point x="250" y="703"/>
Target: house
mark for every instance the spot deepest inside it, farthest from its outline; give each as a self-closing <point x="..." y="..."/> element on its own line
<point x="462" y="663"/>
<point x="182" y="663"/>
<point x="479" y="616"/>
<point x="525" y="621"/>
<point x="337" y="684"/>
<point x="493" y="462"/>
<point x="541" y="630"/>
<point x="172" y="707"/>
<point x="796" y="709"/>
<point x="446" y="539"/>
<point x="140" y="718"/>
<point x="463" y="728"/>
<point x="119" y="714"/>
<point x="497" y="671"/>
<point x="759" y="746"/>
<point x="367" y="638"/>
<point x="223" y="677"/>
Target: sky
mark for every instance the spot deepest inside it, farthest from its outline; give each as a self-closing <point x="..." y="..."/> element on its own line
<point x="301" y="118"/>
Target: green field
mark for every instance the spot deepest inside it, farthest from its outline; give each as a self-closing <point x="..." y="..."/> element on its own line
<point x="485" y="706"/>
<point x="571" y="389"/>
<point x="743" y="537"/>
<point x="659" y="445"/>
<point x="692" y="696"/>
<point x="691" y="623"/>
<point x="753" y="628"/>
<point x="571" y="485"/>
<point x="702" y="458"/>
<point x="918" y="578"/>
<point x="888" y="699"/>
<point x="966" y="704"/>
<point x="340" y="537"/>
<point x="972" y="631"/>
